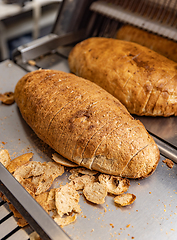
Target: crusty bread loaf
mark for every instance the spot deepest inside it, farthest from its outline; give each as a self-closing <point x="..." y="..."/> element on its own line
<point x="85" y="124"/>
<point x="161" y="45"/>
<point x="143" y="80"/>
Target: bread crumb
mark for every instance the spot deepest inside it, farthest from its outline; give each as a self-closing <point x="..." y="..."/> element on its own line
<point x="114" y="185"/>
<point x="66" y="200"/>
<point x="21" y="221"/>
<point x="54" y="169"/>
<point x="76" y="172"/>
<point x="19" y="161"/>
<point x="34" y="236"/>
<point x="80" y="182"/>
<point x="37" y="178"/>
<point x="42" y="200"/>
<point x="5" y="157"/>
<point x="95" y="193"/>
<point x="125" y="199"/>
<point x="7" y="98"/>
<point x="44" y="184"/>
<point x="111" y="225"/>
<point x="168" y="162"/>
<point x="31" y="62"/>
<point x="63" y="221"/>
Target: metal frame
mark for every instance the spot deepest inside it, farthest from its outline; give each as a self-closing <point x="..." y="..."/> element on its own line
<point x="34" y="214"/>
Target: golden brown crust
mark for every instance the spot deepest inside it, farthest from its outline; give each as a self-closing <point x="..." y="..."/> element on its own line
<point x="140" y="78"/>
<point x="161" y="45"/>
<point x="93" y="129"/>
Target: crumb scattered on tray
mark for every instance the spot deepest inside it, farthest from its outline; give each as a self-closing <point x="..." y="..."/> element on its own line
<point x="31" y="62"/>
<point x="19" y="161"/>
<point x="95" y="192"/>
<point x="5" y="157"/>
<point x="63" y="203"/>
<point x="114" y="185"/>
<point x="7" y="98"/>
<point x="124" y="199"/>
<point x="168" y="162"/>
<point x="65" y="220"/>
<point x="67" y="200"/>
<point x="34" y="236"/>
<point x="76" y="172"/>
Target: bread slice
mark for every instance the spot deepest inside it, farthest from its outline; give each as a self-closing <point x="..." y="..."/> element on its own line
<point x="90" y="128"/>
<point x="143" y="80"/>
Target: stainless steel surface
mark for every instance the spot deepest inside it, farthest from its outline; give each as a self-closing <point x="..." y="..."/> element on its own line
<point x="166" y="150"/>
<point x="71" y="16"/>
<point x="8" y="225"/>
<point x="47" y="44"/>
<point x="164" y="131"/>
<point x="163" y="128"/>
<point x="152" y="216"/>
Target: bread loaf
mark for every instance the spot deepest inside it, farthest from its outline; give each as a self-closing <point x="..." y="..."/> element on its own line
<point x="161" y="45"/>
<point x="85" y="124"/>
<point x="144" y="81"/>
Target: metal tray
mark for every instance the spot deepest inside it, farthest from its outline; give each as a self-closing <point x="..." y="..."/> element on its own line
<point x="152" y="216"/>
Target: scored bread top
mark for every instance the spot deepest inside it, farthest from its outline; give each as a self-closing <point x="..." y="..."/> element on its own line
<point x="85" y="124"/>
<point x="143" y="80"/>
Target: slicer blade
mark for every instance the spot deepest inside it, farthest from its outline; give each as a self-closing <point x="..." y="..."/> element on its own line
<point x="122" y="14"/>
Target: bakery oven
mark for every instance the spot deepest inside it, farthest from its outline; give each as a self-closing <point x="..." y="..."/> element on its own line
<point x="154" y="213"/>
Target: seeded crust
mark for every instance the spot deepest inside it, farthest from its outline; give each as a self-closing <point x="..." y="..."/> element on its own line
<point x="143" y="80"/>
<point x="46" y="108"/>
<point x="90" y="128"/>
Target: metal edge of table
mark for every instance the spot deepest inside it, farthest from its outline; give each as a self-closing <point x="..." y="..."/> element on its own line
<point x="38" y="219"/>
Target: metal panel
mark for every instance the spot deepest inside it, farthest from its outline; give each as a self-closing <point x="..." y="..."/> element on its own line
<point x="47" y="44"/>
<point x="165" y="128"/>
<point x="125" y="15"/>
<point x="7" y="226"/>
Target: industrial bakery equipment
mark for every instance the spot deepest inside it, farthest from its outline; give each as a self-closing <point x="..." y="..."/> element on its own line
<point x="154" y="214"/>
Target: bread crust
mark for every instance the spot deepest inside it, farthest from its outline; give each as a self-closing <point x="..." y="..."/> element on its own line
<point x="161" y="45"/>
<point x="91" y="127"/>
<point x="144" y="81"/>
